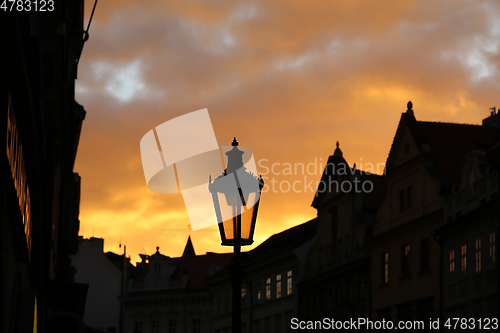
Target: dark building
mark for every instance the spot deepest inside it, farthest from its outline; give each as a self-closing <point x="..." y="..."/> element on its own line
<point x="337" y="283"/>
<point x="169" y="294"/>
<point x="422" y="171"/>
<point x="272" y="272"/>
<point x="469" y="236"/>
<point x="40" y="124"/>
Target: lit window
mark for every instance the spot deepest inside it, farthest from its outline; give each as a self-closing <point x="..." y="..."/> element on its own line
<point x="405" y="260"/>
<point x="289" y="282"/>
<point x="452" y="261"/>
<point x="268" y="288"/>
<point x="478" y="254"/>
<point x="278" y="286"/>
<point x="243" y="295"/>
<point x="385" y="267"/>
<point x="464" y="258"/>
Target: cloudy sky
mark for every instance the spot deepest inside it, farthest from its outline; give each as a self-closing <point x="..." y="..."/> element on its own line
<point x="287" y="78"/>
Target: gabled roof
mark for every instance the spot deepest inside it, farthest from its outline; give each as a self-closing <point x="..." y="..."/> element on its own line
<point x="343" y="172"/>
<point x="445" y="144"/>
<point x="284" y="241"/>
<point x="450" y="142"/>
<point x="196" y="268"/>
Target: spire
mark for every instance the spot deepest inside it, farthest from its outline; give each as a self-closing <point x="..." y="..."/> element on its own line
<point x="338" y="152"/>
<point x="189" y="249"/>
<point x="409" y="111"/>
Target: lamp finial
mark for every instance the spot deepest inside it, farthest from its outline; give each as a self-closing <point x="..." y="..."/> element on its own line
<point x="234" y="143"/>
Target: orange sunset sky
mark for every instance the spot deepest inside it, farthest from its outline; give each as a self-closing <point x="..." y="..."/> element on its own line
<point x="287" y="78"/>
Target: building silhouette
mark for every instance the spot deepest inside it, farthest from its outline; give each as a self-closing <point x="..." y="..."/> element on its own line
<point x="104" y="274"/>
<point x="422" y="171"/>
<point x="337" y="283"/>
<point x="272" y="272"/>
<point x="40" y="193"/>
<point x="169" y="294"/>
<point x="469" y="235"/>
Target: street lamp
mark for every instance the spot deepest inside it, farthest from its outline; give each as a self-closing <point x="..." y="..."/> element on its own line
<point x="236" y="196"/>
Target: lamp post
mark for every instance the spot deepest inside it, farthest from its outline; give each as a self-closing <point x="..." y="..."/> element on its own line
<point x="236" y="196"/>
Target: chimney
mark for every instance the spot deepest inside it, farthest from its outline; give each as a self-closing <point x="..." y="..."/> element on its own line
<point x="493" y="120"/>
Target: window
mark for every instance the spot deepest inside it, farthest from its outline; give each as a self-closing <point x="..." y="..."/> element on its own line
<point x="452" y="261"/>
<point x="196" y="325"/>
<point x="172" y="326"/>
<point x="478" y="254"/>
<point x="405" y="260"/>
<point x="277" y="323"/>
<point x="289" y="282"/>
<point x="256" y="326"/>
<point x="401" y="201"/>
<point x="385" y="267"/>
<point x="424" y="254"/>
<point x="267" y="325"/>
<point x="492" y="249"/>
<point x="138" y="327"/>
<point x="155" y="326"/>
<point x="278" y="285"/>
<point x="464" y="257"/>
<point x="257" y="291"/>
<point x="243" y="295"/>
<point x="268" y="288"/>
<point x="409" y="197"/>
<point x="405" y="199"/>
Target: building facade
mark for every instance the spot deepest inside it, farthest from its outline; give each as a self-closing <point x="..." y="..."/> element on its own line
<point x="272" y="272"/>
<point x="104" y="277"/>
<point x="40" y="122"/>
<point x="169" y="294"/>
<point x="469" y="236"/>
<point x="421" y="171"/>
<point x="338" y="274"/>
